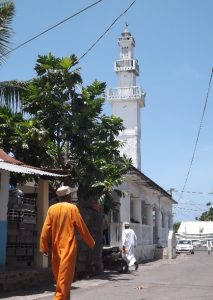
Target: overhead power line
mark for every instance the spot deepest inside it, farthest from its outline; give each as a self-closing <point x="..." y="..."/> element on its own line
<point x="192" y="204"/>
<point x="51" y="28"/>
<point x="96" y="42"/>
<point x="197" y="139"/>
<point x="190" y="192"/>
<point x="189" y="209"/>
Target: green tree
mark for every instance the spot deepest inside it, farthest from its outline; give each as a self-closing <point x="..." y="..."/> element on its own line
<point x="10" y="94"/>
<point x="78" y="135"/>
<point x="27" y="139"/>
<point x="9" y="90"/>
<point x="207" y="215"/>
<point x="176" y="226"/>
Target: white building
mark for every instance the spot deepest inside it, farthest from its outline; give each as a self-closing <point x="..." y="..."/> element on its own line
<point x="196" y="230"/>
<point x="146" y="205"/>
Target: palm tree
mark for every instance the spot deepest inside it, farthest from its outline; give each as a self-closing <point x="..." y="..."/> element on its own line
<point x="7" y="11"/>
<point x="10" y="93"/>
<point x="10" y="90"/>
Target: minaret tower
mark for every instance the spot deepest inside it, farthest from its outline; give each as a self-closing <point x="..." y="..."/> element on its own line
<point x="128" y="98"/>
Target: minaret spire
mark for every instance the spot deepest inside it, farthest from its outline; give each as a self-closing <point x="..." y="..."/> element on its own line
<point x="128" y="98"/>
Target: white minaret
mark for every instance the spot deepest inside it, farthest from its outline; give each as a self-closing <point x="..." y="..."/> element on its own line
<point x="128" y="98"/>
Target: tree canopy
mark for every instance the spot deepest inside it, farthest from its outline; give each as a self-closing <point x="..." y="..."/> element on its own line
<point x="176" y="226"/>
<point x="207" y="215"/>
<point x="64" y="127"/>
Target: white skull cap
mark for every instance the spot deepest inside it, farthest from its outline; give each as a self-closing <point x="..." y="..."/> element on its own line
<point x="63" y="191"/>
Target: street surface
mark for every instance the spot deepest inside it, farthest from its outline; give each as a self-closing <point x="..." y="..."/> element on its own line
<point x="185" y="278"/>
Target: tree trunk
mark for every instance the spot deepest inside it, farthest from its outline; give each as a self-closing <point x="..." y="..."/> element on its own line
<point x="89" y="261"/>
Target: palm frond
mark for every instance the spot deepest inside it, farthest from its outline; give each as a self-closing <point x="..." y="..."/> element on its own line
<point x="10" y="94"/>
<point x="7" y="11"/>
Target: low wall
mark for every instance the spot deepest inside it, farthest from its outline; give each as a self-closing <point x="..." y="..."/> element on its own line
<point x="11" y="280"/>
<point x="145" y="252"/>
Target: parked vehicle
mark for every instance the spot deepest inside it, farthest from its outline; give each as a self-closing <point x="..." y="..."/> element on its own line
<point x="185" y="246"/>
<point x="113" y="260"/>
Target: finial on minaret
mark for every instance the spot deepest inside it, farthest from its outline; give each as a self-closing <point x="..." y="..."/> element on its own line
<point x="126" y="30"/>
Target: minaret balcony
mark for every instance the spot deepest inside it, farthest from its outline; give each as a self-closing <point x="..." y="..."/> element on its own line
<point x="126" y="93"/>
<point x="126" y="65"/>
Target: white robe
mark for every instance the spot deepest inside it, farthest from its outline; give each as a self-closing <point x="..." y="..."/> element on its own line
<point x="209" y="245"/>
<point x="129" y="241"/>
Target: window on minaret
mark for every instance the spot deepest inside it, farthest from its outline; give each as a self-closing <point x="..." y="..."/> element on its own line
<point x="125" y="52"/>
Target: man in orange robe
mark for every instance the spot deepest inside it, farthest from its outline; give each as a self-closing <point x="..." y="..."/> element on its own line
<point x="58" y="236"/>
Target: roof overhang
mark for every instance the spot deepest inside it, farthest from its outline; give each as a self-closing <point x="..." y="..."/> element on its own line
<point x="11" y="164"/>
<point x="138" y="177"/>
<point x="26" y="170"/>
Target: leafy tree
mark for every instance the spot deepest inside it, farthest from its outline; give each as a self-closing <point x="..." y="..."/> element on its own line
<point x="27" y="139"/>
<point x="10" y="91"/>
<point x="207" y="215"/>
<point x="10" y="94"/>
<point x="85" y="138"/>
<point x="78" y="135"/>
<point x="176" y="226"/>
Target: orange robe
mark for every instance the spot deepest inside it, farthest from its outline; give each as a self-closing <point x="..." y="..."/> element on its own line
<point x="58" y="234"/>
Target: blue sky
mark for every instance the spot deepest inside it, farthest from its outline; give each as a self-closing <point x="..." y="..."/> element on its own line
<point x="174" y="47"/>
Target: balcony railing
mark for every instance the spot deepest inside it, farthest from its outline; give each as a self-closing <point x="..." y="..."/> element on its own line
<point x="126" y="93"/>
<point x="126" y="65"/>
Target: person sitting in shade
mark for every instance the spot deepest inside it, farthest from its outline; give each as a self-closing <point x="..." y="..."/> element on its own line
<point x="129" y="242"/>
<point x="58" y="239"/>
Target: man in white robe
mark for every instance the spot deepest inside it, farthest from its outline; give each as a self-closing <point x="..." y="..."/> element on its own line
<point x="129" y="242"/>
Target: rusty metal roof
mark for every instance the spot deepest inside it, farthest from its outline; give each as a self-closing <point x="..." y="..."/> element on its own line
<point x="7" y="158"/>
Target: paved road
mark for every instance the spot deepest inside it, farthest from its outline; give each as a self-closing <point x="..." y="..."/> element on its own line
<point x="185" y="278"/>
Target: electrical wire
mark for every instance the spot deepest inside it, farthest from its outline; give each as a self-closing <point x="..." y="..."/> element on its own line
<point x="105" y="32"/>
<point x="197" y="139"/>
<point x="51" y="28"/>
<point x="192" y="204"/>
<point x="91" y="47"/>
<point x="189" y="209"/>
<point x="190" y="192"/>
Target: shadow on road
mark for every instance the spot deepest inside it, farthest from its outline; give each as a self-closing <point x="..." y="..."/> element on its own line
<point x="47" y="288"/>
<point x="28" y="291"/>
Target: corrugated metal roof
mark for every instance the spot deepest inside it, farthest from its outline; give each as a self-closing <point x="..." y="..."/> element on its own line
<point x="11" y="164"/>
<point x="26" y="170"/>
